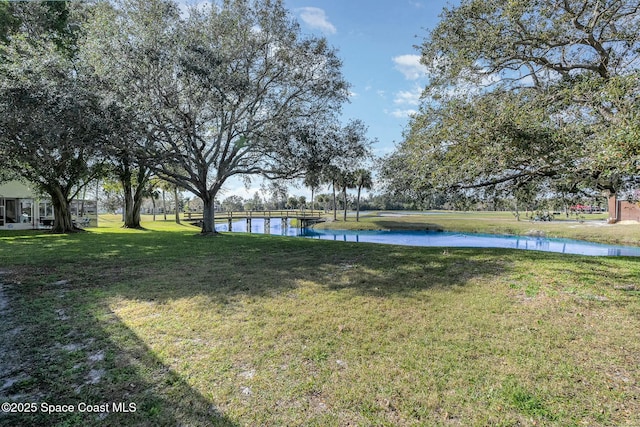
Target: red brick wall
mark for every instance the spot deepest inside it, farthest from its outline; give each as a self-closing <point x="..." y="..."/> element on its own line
<point x="626" y="211"/>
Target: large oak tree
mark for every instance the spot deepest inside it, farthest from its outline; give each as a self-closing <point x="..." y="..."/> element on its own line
<point x="536" y="90"/>
<point x="51" y="121"/>
<point x="219" y="89"/>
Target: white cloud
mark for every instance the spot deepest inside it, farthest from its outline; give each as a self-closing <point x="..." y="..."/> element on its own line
<point x="405" y="100"/>
<point x="408" y="97"/>
<point x="401" y="114"/>
<point x="410" y="66"/>
<point x="317" y="19"/>
<point x="235" y="187"/>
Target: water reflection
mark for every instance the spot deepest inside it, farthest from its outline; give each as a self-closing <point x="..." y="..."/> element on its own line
<point x="433" y="238"/>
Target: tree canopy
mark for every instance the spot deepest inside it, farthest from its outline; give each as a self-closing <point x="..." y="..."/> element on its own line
<point x="533" y="42"/>
<point x="539" y="91"/>
<point x="231" y="89"/>
<point x="51" y="122"/>
<point x="220" y="91"/>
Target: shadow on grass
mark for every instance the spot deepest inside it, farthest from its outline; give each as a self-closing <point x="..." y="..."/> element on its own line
<point x="168" y="265"/>
<point x="61" y="348"/>
<point x="241" y="263"/>
<point x="72" y="349"/>
<point x="264" y="266"/>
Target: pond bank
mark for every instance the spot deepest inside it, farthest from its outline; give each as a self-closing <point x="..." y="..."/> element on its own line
<point x="593" y="230"/>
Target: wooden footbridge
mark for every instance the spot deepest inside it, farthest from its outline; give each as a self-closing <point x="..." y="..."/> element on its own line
<point x="304" y="218"/>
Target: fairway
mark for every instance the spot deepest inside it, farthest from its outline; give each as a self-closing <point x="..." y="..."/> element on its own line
<point x="163" y="327"/>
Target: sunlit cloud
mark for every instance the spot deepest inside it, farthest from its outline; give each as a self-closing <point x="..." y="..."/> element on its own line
<point x="408" y="97"/>
<point x="401" y="114"/>
<point x="316" y="19"/>
<point x="410" y="66"/>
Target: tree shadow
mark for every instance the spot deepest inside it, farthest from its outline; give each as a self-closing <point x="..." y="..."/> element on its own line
<point x="262" y="266"/>
<point x="153" y="268"/>
<point x="84" y="356"/>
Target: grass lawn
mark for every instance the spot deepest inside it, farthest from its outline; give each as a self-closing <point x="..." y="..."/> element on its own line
<point x="266" y="330"/>
<point x="592" y="228"/>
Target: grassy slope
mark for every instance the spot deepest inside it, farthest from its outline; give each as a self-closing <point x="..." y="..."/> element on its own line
<point x="594" y="228"/>
<point x="251" y="330"/>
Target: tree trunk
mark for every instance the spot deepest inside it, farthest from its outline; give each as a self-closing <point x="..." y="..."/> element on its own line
<point x="133" y="200"/>
<point x="344" y="202"/>
<point x="128" y="205"/>
<point x="335" y="204"/>
<point x="312" y="191"/>
<point x="131" y="206"/>
<point x="153" y="203"/>
<point x="62" y="222"/>
<point x="358" y="204"/>
<point x="84" y="197"/>
<point x="164" y="205"/>
<point x="208" y="216"/>
<point x="175" y="197"/>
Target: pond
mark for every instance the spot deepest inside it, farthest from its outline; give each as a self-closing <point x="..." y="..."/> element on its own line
<point x="441" y="238"/>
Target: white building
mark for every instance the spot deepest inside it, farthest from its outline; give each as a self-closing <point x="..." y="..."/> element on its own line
<point x="18" y="206"/>
<point x="21" y="208"/>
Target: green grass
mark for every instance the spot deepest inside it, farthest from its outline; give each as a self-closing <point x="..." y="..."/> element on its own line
<point x="267" y="330"/>
<point x="593" y="228"/>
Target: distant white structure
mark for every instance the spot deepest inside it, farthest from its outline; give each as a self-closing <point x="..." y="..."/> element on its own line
<point x="21" y="208"/>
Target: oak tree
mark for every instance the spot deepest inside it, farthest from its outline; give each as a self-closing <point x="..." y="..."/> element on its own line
<point x="536" y="90"/>
<point x="219" y="88"/>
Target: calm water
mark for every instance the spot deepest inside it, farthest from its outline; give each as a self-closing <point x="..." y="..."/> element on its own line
<point x="445" y="239"/>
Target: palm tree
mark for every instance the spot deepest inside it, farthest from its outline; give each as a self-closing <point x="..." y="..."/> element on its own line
<point x="164" y="187"/>
<point x="331" y="175"/>
<point x="151" y="191"/>
<point x="362" y="179"/>
<point x="345" y="180"/>
<point x="320" y="198"/>
<point x="312" y="180"/>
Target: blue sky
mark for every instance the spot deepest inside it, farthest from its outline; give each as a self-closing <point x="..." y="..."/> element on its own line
<point x="376" y="41"/>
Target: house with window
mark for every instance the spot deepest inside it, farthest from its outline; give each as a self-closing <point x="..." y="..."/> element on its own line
<point x="22" y="208"/>
<point x="18" y="206"/>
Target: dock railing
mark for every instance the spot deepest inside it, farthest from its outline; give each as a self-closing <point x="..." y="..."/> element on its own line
<point x="294" y="214"/>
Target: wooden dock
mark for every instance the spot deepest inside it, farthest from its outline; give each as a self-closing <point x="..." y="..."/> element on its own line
<point x="305" y="218"/>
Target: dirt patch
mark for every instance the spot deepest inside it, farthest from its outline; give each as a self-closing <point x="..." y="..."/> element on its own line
<point x="3" y="301"/>
<point x="11" y="368"/>
<point x="4" y="304"/>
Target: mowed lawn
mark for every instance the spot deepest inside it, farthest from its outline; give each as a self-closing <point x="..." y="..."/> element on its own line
<point x="265" y="330"/>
